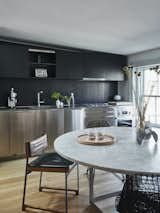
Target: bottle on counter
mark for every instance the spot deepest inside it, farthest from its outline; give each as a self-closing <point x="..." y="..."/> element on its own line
<point x="58" y="103"/>
<point x="12" y="100"/>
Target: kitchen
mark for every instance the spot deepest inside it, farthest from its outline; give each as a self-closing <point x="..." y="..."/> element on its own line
<point x="91" y="93"/>
<point x="90" y="81"/>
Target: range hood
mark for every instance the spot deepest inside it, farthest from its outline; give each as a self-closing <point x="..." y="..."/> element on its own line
<point x="94" y="79"/>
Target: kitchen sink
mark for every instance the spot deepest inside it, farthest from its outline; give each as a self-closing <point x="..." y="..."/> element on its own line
<point x="23" y="107"/>
<point x="35" y="107"/>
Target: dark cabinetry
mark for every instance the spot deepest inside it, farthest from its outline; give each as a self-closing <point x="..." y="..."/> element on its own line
<point x="22" y="61"/>
<point x="42" y="63"/>
<point x="69" y="65"/>
<point x="104" y="66"/>
<point x="13" y="60"/>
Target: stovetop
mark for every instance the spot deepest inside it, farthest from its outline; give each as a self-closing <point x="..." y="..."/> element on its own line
<point x="95" y="104"/>
<point x="120" y="103"/>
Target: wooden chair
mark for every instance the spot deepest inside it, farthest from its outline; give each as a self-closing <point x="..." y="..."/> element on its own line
<point x="47" y="162"/>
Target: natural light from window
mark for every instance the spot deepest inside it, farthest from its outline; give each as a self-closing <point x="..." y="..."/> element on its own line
<point x="151" y="77"/>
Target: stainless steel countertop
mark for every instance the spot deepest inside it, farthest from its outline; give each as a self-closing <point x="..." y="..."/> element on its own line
<point x="44" y="107"/>
<point x="53" y="107"/>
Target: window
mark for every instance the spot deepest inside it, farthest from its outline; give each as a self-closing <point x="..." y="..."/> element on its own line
<point x="142" y="86"/>
<point x="152" y="77"/>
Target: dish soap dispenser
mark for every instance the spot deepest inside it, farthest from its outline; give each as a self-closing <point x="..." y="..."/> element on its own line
<point x="12" y="100"/>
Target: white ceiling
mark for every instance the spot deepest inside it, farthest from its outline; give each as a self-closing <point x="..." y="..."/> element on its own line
<point x="117" y="26"/>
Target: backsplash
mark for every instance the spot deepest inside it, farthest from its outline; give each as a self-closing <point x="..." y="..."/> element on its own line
<point x="85" y="91"/>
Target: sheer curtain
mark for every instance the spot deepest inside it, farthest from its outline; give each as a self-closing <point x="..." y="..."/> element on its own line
<point x="143" y="78"/>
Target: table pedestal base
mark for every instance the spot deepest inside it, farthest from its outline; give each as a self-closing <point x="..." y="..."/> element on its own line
<point x="93" y="199"/>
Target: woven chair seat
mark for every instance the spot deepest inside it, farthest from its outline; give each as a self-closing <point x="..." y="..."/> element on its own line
<point x="50" y="160"/>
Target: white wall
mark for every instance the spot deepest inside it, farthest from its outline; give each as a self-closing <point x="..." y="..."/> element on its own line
<point x="145" y="58"/>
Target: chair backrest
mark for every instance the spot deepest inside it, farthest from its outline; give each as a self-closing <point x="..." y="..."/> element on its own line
<point x="36" y="146"/>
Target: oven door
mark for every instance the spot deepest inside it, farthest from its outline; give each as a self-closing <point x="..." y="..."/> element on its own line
<point x="96" y="123"/>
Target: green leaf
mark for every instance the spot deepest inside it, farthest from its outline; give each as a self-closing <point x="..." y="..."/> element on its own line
<point x="56" y="95"/>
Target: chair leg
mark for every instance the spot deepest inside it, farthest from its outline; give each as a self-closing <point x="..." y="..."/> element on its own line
<point x="24" y="191"/>
<point x="77" y="193"/>
<point x="66" y="192"/>
<point x="40" y="182"/>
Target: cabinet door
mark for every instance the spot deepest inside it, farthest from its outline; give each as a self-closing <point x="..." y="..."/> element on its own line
<point x="114" y="64"/>
<point x="95" y="65"/>
<point x="13" y="60"/>
<point x="54" y="125"/>
<point x="4" y="134"/>
<point x="25" y="125"/>
<point x="69" y="65"/>
<point x="17" y="134"/>
<point x="104" y="65"/>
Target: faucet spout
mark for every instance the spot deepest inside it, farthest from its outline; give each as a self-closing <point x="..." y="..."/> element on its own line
<point x="72" y="99"/>
<point x="39" y="101"/>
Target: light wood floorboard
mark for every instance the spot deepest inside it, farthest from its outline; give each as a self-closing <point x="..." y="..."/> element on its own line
<point x="11" y="188"/>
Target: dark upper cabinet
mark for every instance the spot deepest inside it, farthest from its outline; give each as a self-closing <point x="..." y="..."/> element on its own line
<point x="104" y="66"/>
<point x="69" y="65"/>
<point x="17" y="62"/>
<point x="13" y="60"/>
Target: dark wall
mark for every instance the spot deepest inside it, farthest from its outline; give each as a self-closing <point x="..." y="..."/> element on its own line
<point x="85" y="92"/>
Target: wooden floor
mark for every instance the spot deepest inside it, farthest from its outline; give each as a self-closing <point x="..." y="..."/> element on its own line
<point x="11" y="187"/>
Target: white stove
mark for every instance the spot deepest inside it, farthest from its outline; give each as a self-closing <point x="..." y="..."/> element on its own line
<point x="120" y="103"/>
<point x="124" y="113"/>
<point x="110" y="114"/>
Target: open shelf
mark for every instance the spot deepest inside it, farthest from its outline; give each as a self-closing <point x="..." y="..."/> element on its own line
<point x="42" y="63"/>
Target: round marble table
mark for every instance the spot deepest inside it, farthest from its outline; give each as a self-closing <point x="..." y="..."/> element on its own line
<point x="125" y="156"/>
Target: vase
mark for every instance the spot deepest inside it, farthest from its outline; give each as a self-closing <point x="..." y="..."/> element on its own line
<point x="143" y="135"/>
<point x="58" y="103"/>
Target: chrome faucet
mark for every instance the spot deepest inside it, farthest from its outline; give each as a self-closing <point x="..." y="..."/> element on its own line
<point x="72" y="99"/>
<point x="39" y="102"/>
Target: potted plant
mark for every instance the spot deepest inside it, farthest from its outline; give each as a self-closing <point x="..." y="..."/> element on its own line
<point x="57" y="96"/>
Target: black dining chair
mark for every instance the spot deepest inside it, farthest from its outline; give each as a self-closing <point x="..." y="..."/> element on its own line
<point x="47" y="162"/>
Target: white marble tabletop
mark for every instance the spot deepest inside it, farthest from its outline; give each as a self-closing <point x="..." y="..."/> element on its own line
<point x="124" y="156"/>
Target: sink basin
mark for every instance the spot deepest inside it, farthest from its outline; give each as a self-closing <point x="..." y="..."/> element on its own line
<point x="35" y="107"/>
<point x="45" y="107"/>
<point x="23" y="107"/>
<point x="3" y="107"/>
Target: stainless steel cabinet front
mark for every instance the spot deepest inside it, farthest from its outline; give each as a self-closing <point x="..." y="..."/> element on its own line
<point x="20" y="126"/>
<point x="73" y="119"/>
<point x="54" y="125"/>
<point x="4" y="134"/>
<point x="26" y="125"/>
<point x="22" y="129"/>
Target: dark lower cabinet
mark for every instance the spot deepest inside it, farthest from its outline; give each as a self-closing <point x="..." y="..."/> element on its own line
<point x="69" y="65"/>
<point x="104" y="65"/>
<point x="14" y="60"/>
